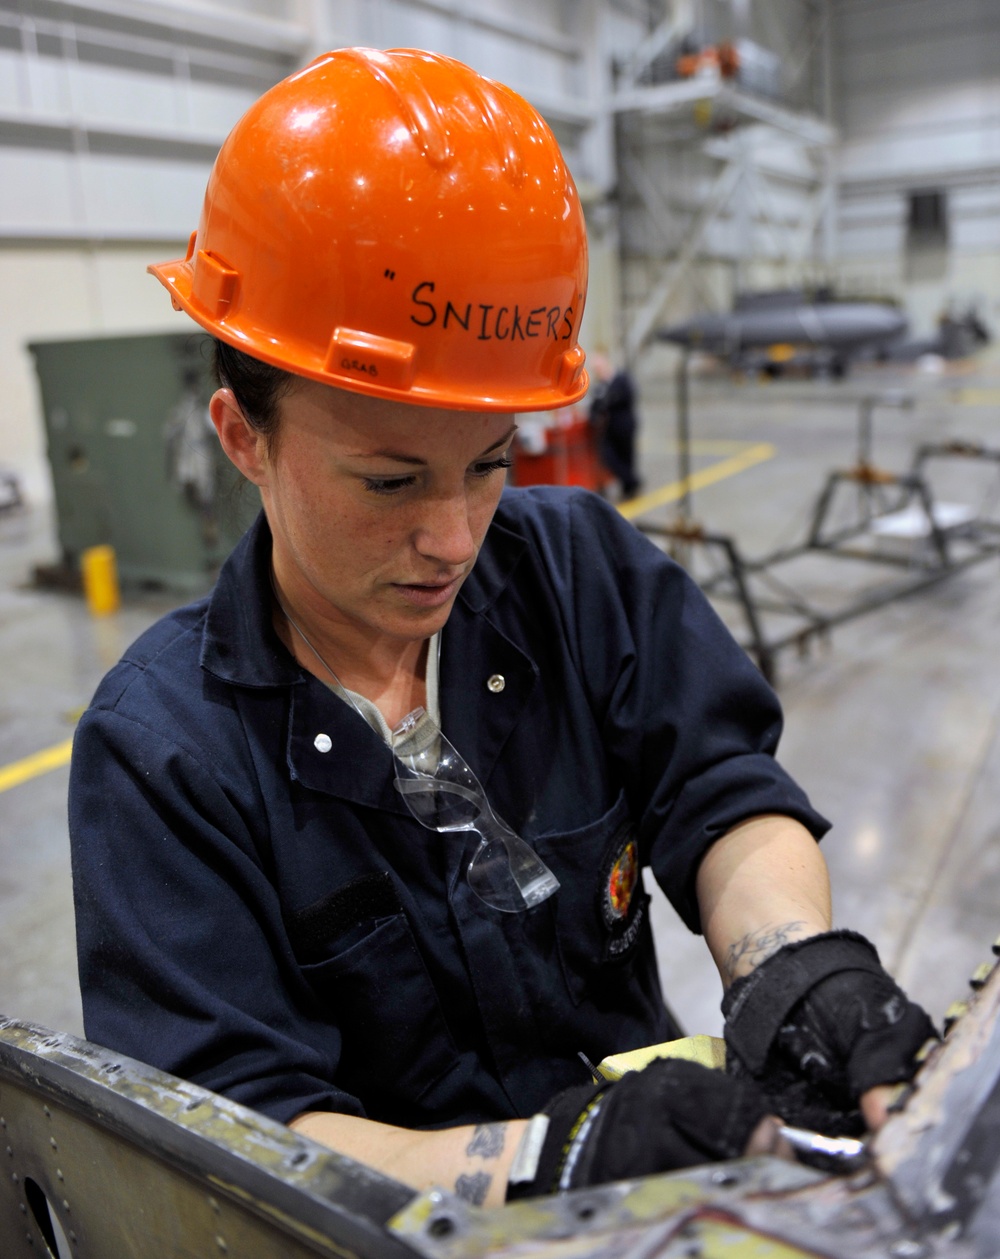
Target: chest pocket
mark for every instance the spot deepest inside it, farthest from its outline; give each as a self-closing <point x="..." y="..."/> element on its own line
<point x="358" y="954"/>
<point x="602" y="912"/>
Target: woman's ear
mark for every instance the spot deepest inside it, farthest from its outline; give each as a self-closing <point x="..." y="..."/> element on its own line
<point x="241" y="443"/>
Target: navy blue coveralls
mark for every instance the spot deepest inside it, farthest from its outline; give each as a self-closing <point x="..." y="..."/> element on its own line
<point x="264" y="917"/>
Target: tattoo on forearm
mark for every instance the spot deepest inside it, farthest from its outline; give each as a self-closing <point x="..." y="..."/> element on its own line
<point x="487" y="1140"/>
<point x="474" y="1188"/>
<point x="747" y="953"/>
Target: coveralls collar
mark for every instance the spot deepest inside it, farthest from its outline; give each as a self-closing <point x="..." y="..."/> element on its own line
<point x="240" y="645"/>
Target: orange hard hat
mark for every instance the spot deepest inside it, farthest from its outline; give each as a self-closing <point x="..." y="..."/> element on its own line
<point x="395" y="224"/>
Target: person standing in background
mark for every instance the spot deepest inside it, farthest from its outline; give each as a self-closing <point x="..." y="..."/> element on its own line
<point x="615" y="423"/>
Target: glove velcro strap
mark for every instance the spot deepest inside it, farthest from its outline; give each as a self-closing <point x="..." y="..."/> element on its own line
<point x="567" y="1113"/>
<point x="756" y="1006"/>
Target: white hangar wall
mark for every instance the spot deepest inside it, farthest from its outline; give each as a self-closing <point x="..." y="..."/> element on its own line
<point x="111" y="113"/>
<point x="917" y="102"/>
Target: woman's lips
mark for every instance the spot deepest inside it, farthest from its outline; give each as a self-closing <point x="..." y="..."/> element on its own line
<point x="429" y="595"/>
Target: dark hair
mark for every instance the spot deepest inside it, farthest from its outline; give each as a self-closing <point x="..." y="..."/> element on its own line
<point x="257" y="386"/>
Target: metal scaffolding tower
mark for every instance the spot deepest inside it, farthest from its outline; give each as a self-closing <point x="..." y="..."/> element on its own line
<point x="725" y="170"/>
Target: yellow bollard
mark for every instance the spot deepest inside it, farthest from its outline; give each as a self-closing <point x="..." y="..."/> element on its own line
<point x="100" y="580"/>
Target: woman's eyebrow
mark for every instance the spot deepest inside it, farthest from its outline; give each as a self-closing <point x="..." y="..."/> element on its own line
<point x="399" y="457"/>
<point x="496" y="445"/>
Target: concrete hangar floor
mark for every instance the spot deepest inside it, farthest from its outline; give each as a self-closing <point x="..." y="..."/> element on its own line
<point x="892" y="718"/>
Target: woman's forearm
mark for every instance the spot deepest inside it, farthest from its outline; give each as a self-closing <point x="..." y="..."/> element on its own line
<point x="472" y="1161"/>
<point x="761" y="885"/>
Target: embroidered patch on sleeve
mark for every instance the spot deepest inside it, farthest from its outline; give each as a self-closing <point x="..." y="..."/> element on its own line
<point x="622" y="900"/>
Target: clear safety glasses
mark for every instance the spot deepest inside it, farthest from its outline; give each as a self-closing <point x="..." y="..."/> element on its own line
<point x="443" y="794"/>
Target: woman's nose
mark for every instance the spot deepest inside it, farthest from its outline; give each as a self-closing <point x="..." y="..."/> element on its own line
<point x="445" y="532"/>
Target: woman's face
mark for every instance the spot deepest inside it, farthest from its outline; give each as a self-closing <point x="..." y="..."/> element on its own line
<point x="378" y="508"/>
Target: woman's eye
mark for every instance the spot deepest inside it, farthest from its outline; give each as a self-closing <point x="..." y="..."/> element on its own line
<point x="394" y="485"/>
<point x="387" y="485"/>
<point x="494" y="465"/>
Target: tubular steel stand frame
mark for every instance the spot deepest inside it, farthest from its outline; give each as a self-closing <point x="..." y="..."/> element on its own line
<point x="881" y="494"/>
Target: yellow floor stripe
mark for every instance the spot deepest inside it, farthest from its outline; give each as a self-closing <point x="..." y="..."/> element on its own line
<point x="973" y="397"/>
<point x="711" y="445"/>
<point x="759" y="453"/>
<point x="31" y="766"/>
<point x="58" y="756"/>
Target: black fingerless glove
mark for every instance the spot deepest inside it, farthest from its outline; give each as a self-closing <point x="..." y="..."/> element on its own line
<point x="672" y="1114"/>
<point x="817" y="1024"/>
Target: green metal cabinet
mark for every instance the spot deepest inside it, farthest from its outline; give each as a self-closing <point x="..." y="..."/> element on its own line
<point x="135" y="461"/>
